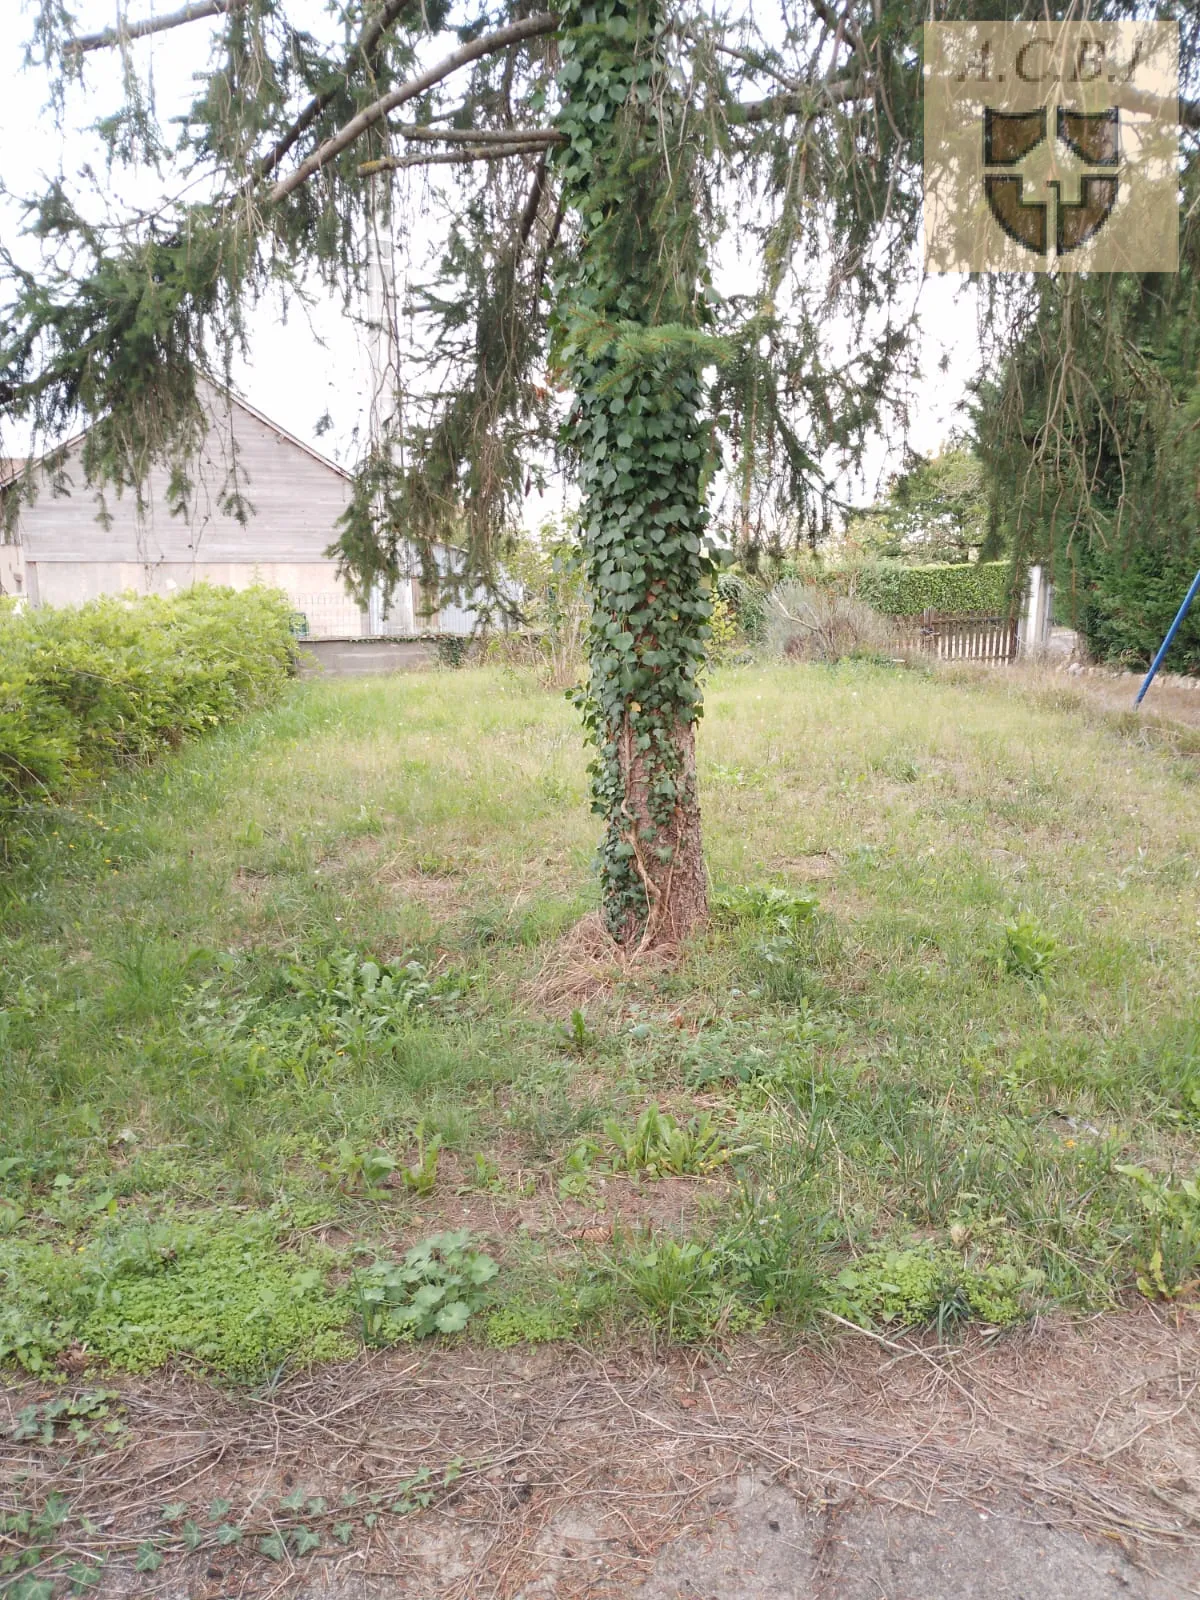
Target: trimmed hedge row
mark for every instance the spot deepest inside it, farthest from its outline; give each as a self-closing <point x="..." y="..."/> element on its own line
<point x="897" y="591"/>
<point x="86" y="690"/>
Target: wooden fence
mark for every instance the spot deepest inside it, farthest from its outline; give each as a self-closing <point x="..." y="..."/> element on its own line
<point x="953" y="637"/>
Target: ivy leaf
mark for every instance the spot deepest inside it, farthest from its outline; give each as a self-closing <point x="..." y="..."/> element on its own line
<point x="273" y="1547"/>
<point x="148" y="1559"/>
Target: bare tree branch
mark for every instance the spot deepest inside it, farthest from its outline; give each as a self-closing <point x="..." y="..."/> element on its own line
<point x="366" y="42"/>
<point x="479" y="135"/>
<point x="820" y="97"/>
<point x="437" y="158"/>
<point x="138" y="30"/>
<point x="528" y="28"/>
<point x="534" y="203"/>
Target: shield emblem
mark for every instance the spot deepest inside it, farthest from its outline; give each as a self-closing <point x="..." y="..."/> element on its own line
<point x="1096" y="138"/>
<point x="1093" y="137"/>
<point x="1008" y="137"/>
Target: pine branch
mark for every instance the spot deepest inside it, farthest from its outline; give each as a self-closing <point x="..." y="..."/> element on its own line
<point x="437" y="158"/>
<point x="364" y="45"/>
<point x="480" y="135"/>
<point x="821" y="97"/>
<point x="138" y="30"/>
<point x="488" y="44"/>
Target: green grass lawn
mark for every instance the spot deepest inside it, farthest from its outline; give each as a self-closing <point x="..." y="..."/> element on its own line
<point x="286" y="1008"/>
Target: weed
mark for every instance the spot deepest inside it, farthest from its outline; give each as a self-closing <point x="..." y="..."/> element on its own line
<point x="578" y="1036"/>
<point x="365" y="1170"/>
<point x="421" y="1177"/>
<point x="1170" y="1270"/>
<point x="925" y="1285"/>
<point x="674" y="1285"/>
<point x="658" y="1146"/>
<point x="221" y="1291"/>
<point x="435" y="1289"/>
<point x="80" y="1417"/>
<point x="1028" y="949"/>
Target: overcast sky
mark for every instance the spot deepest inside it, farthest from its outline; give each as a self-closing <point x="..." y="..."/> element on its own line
<point x="314" y="363"/>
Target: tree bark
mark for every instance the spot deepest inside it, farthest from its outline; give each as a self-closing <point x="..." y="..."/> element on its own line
<point x="677" y="887"/>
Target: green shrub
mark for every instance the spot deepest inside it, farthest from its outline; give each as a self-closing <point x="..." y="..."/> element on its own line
<point x="85" y="690"/>
<point x="1128" y="599"/>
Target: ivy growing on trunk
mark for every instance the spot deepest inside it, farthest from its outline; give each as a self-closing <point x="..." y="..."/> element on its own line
<point x="629" y="335"/>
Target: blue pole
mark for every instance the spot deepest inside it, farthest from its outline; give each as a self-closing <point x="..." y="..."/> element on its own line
<point x="1166" y="644"/>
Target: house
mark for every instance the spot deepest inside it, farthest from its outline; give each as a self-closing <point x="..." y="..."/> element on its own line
<point x="66" y="554"/>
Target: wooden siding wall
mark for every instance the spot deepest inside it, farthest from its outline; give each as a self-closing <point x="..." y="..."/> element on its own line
<point x="296" y="498"/>
<point x="69" y="556"/>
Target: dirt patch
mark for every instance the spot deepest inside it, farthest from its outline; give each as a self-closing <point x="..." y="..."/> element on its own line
<point x="578" y="1475"/>
<point x="810" y="869"/>
<point x="526" y="1201"/>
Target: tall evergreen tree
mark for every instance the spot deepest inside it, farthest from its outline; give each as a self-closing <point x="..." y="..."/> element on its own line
<point x="600" y="159"/>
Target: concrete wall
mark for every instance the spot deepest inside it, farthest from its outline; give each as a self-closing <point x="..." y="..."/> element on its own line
<point x="12" y="569"/>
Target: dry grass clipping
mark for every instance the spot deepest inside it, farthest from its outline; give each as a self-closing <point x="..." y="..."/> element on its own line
<point x="1091" y="1427"/>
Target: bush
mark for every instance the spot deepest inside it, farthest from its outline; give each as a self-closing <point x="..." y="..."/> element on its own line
<point x="906" y="591"/>
<point x="89" y="689"/>
<point x="1128" y="600"/>
<point x="806" y="623"/>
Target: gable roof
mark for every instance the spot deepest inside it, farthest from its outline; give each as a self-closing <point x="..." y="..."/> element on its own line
<point x="278" y="430"/>
<point x="11" y="468"/>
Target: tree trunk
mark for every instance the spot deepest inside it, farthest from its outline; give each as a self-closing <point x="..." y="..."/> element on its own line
<point x="630" y="318"/>
<point x="669" y="858"/>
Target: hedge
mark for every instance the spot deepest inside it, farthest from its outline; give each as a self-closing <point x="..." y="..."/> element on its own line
<point x="1126" y="601"/>
<point x="980" y="586"/>
<point x="86" y="690"/>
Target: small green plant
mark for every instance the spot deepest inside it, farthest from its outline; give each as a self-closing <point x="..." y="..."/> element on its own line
<point x="677" y="1287"/>
<point x="659" y="1146"/>
<point x="578" y="1035"/>
<point x="486" y="1173"/>
<point x="578" y="1176"/>
<point x="361" y="1170"/>
<point x="1028" y="950"/>
<point x="80" y="1417"/>
<point x="435" y="1289"/>
<point x="421" y="1177"/>
<point x="930" y="1286"/>
<point x="1170" y="1268"/>
<point x="545" y="1322"/>
<point x="222" y="1290"/>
